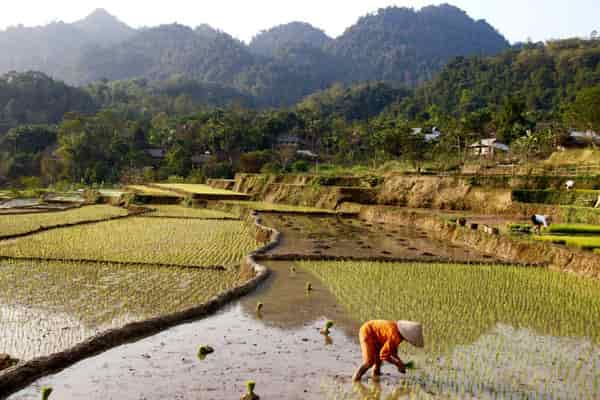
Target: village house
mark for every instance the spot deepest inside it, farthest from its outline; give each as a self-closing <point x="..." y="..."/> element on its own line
<point x="581" y="139"/>
<point x="488" y="148"/>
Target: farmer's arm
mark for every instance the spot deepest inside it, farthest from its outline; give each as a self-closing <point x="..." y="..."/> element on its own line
<point x="398" y="363"/>
<point x="389" y="353"/>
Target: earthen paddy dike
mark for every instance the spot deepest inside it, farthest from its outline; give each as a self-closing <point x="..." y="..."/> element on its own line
<point x="281" y="347"/>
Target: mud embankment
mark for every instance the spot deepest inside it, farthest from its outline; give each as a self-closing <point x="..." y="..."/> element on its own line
<point x="510" y="249"/>
<point x="444" y="193"/>
<point x="486" y="195"/>
<point x="23" y="374"/>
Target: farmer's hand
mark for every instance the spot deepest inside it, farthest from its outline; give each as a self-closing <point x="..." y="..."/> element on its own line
<point x="401" y="367"/>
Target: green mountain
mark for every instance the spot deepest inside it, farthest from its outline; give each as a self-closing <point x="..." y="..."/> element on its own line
<point x="271" y="42"/>
<point x="408" y="46"/>
<point x="56" y="49"/>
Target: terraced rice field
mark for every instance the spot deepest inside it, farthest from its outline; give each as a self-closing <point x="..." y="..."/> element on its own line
<point x="152" y="191"/>
<point x="196" y="189"/>
<point x="185" y="242"/>
<point x="187" y="212"/>
<point x="20" y="224"/>
<point x="266" y="207"/>
<point x="46" y="307"/>
<point x="581" y="242"/>
<point x="573" y="229"/>
<point x="491" y="332"/>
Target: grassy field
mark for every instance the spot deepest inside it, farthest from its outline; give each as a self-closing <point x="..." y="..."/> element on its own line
<point x="196" y="189"/>
<point x="187" y="212"/>
<point x="185" y="242"/>
<point x="264" y="206"/>
<point x="50" y="306"/>
<point x="490" y="331"/>
<point x="18" y="224"/>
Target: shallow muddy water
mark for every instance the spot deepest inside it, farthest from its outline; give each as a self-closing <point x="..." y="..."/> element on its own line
<point x="305" y="236"/>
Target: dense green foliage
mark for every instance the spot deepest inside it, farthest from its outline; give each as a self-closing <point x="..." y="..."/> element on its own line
<point x="34" y="98"/>
<point x="545" y="77"/>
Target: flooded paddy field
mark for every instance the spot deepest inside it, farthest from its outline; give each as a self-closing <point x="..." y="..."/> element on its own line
<point x="315" y="237"/>
<point x="46" y="307"/>
<point x="492" y="331"/>
<point x="468" y="355"/>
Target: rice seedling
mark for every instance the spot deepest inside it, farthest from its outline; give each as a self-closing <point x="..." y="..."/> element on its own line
<point x="185" y="242"/>
<point x="24" y="223"/>
<point x="46" y="392"/>
<point x="203" y="351"/>
<point x="250" y="395"/>
<point x="187" y="212"/>
<point x="71" y="301"/>
<point x="489" y="330"/>
<point x="327" y="329"/>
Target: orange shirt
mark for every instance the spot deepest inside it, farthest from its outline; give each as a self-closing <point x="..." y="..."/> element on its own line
<point x="383" y="335"/>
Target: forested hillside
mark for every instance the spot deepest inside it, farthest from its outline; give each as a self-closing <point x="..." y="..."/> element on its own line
<point x="279" y="67"/>
<point x="34" y="98"/>
<point x="546" y="78"/>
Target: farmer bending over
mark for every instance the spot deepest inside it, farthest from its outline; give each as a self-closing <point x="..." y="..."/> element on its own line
<point x="539" y="221"/>
<point x="379" y="341"/>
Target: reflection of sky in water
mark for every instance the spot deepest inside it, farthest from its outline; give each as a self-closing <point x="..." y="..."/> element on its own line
<point x="28" y="332"/>
<point x="16" y="203"/>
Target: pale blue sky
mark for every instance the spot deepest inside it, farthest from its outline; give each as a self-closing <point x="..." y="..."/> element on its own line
<point x="516" y="19"/>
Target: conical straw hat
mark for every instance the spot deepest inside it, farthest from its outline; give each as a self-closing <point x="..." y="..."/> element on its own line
<point x="412" y="332"/>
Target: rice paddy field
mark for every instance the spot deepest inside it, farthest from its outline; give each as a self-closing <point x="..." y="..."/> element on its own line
<point x="169" y="211"/>
<point x="582" y="236"/>
<point x="151" y="191"/>
<point x="491" y="332"/>
<point x="23" y="223"/>
<point x="196" y="189"/>
<point x="266" y="207"/>
<point x="184" y="242"/>
<point x="46" y="307"/>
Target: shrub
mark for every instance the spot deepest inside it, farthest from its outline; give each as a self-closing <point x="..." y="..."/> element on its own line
<point x="300" y="166"/>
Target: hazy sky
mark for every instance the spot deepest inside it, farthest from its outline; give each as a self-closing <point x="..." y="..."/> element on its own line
<point x="516" y="19"/>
